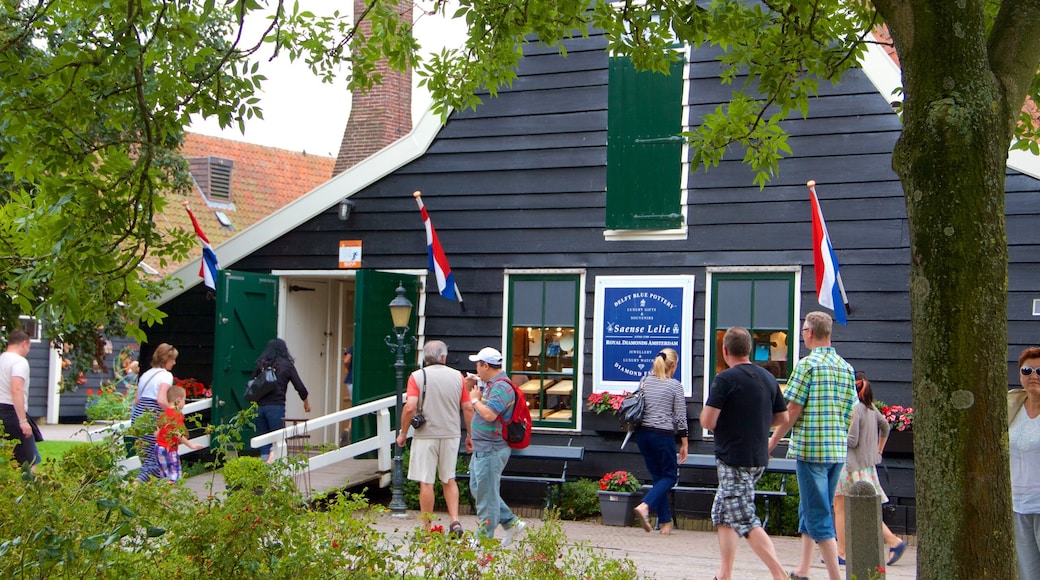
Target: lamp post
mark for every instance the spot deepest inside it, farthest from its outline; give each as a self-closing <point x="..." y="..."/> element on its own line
<point x="400" y="312"/>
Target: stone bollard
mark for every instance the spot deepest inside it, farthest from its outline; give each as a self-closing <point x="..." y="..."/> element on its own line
<point x="864" y="547"/>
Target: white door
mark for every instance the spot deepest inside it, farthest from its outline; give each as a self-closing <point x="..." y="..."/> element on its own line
<point x="305" y="324"/>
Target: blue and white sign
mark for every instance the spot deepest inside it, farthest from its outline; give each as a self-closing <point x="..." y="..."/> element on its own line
<point x="636" y="317"/>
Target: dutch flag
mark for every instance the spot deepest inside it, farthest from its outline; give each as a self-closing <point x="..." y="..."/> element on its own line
<point x="830" y="291"/>
<point x="208" y="268"/>
<point x="446" y="286"/>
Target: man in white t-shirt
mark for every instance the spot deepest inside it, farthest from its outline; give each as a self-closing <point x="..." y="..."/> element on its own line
<point x="14" y="397"/>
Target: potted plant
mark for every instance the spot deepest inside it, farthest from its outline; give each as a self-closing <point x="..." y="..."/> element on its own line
<point x="603" y="407"/>
<point x="620" y="493"/>
<point x="193" y="389"/>
<point x="901" y="436"/>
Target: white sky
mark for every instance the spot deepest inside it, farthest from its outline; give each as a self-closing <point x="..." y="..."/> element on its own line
<point x="303" y="114"/>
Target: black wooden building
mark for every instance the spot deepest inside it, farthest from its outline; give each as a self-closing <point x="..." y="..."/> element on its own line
<point x="573" y="175"/>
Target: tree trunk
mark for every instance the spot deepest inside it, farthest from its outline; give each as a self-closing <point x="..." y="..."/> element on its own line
<point x="951" y="159"/>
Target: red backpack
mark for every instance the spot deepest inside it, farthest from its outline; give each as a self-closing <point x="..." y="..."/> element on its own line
<point x="517" y="431"/>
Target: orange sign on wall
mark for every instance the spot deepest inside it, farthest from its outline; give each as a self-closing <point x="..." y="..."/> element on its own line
<point x="350" y="253"/>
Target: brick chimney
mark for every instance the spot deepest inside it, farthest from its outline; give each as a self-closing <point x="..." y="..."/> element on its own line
<point x="382" y="115"/>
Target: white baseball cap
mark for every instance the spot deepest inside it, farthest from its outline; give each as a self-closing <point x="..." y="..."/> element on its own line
<point x="488" y="355"/>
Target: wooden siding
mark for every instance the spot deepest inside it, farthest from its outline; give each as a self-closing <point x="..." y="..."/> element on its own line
<point x="520" y="183"/>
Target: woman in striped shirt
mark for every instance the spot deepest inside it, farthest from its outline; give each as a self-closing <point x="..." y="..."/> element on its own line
<point x="664" y="417"/>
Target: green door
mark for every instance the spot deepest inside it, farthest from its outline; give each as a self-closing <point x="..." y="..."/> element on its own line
<point x="374" y="373"/>
<point x="247" y="317"/>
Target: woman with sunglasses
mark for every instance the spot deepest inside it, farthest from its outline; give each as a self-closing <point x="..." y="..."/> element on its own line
<point x="1024" y="434"/>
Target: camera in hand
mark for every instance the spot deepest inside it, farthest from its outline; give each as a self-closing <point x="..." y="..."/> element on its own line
<point x="418" y="421"/>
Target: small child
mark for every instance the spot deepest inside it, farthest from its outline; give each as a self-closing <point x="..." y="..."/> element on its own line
<point x="171" y="434"/>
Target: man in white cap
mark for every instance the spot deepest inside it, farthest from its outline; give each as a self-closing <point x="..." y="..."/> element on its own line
<point x="493" y="400"/>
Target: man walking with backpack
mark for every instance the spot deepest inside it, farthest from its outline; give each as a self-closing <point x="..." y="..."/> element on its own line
<point x="493" y="399"/>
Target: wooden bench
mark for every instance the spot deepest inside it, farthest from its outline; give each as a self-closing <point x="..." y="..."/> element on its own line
<point x="564" y="453"/>
<point x="782" y="466"/>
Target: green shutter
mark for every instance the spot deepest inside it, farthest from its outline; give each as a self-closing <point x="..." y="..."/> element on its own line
<point x="644" y="147"/>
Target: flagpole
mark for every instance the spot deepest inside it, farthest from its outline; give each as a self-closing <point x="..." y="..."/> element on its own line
<point x="438" y="261"/>
<point x="845" y="306"/>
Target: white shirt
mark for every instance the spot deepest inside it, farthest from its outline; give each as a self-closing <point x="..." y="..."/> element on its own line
<point x="1024" y="434"/>
<point x="13" y="365"/>
<point x="150" y="381"/>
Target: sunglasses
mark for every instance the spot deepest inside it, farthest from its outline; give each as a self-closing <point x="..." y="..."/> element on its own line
<point x="1026" y="371"/>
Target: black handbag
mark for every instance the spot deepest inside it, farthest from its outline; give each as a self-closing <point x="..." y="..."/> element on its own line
<point x="631" y="411"/>
<point x="262" y="385"/>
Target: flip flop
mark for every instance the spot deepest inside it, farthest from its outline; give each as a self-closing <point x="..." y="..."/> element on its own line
<point x="643" y="520"/>
<point x="455" y="529"/>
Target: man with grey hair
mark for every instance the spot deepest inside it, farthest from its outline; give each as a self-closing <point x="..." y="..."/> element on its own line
<point x="436" y="395"/>
<point x="743" y="404"/>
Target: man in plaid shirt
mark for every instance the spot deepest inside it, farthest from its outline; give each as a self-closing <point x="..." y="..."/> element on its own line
<point x="820" y="395"/>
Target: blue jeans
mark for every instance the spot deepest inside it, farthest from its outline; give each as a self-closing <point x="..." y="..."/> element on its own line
<point x="268" y="418"/>
<point x="658" y="452"/>
<point x="485" y="478"/>
<point x="816" y="485"/>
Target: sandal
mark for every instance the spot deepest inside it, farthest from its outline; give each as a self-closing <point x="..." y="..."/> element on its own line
<point x="455" y="529"/>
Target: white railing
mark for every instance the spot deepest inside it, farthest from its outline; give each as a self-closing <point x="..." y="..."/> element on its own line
<point x="382" y="442"/>
<point x="134" y="461"/>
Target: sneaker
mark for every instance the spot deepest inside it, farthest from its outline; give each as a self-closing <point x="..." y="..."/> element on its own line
<point x="511" y="532"/>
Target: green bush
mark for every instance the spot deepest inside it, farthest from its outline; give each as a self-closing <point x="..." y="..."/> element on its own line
<point x="109" y="403"/>
<point x="411" y="488"/>
<point x="578" y="500"/>
<point x="783" y="519"/>
<point x="84" y="517"/>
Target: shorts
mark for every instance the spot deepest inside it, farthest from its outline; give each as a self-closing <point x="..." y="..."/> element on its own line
<point x="734" y="504"/>
<point x="428" y="457"/>
<point x="169" y="463"/>
<point x="816" y="485"/>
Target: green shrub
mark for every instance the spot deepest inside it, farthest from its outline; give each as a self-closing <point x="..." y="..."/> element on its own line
<point x="109" y="403"/>
<point x="783" y="519"/>
<point x="578" y="500"/>
<point x="82" y="517"/>
<point x="246" y="473"/>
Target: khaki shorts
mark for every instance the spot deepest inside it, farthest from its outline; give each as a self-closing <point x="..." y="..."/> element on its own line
<point x="430" y="456"/>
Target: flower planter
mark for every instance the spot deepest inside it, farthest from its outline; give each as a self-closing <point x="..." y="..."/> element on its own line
<point x="900" y="443"/>
<point x="616" y="507"/>
<point x="605" y="422"/>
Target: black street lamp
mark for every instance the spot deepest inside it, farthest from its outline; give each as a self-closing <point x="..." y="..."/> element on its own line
<point x="400" y="312"/>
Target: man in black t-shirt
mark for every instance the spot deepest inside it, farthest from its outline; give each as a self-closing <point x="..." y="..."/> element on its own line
<point x="743" y="404"/>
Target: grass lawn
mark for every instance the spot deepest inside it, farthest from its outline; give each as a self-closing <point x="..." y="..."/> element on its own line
<point x="55" y="449"/>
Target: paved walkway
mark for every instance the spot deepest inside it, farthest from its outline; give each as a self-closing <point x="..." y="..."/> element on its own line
<point x="682" y="555"/>
<point x="679" y="556"/>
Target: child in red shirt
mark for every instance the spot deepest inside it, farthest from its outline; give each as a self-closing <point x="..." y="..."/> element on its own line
<point x="171" y="434"/>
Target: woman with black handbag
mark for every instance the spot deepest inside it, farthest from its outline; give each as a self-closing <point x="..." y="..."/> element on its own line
<point x="664" y="417"/>
<point x="271" y="407"/>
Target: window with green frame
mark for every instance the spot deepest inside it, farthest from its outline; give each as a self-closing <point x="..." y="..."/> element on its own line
<point x="644" y="147"/>
<point x="763" y="303"/>
<point x="541" y="349"/>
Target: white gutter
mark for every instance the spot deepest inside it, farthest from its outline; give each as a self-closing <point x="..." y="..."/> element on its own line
<point x="346" y="184"/>
<point x="887" y="77"/>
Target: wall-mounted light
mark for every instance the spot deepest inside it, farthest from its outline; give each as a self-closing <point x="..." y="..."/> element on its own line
<point x="345" y="207"/>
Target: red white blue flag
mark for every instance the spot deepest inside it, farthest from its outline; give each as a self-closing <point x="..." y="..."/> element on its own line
<point x="209" y="267"/>
<point x="446" y="286"/>
<point x="830" y="291"/>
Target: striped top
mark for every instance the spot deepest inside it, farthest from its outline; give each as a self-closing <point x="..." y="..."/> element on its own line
<point x="824" y="385"/>
<point x="665" y="406"/>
